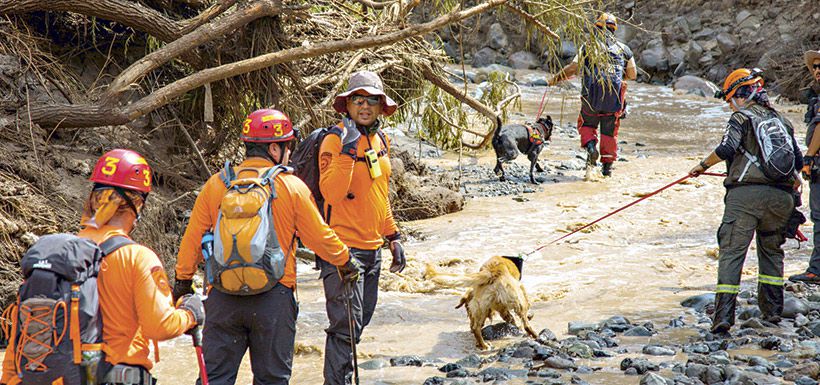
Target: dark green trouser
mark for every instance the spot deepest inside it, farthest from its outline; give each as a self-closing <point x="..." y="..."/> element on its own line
<point x="750" y="210"/>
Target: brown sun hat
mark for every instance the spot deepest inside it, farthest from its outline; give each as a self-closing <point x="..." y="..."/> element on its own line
<point x="810" y="57"/>
<point x="370" y="83"/>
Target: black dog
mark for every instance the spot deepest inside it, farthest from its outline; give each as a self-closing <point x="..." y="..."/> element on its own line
<point x="512" y="138"/>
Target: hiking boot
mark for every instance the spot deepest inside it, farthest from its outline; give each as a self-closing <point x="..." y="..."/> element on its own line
<point x="606" y="170"/>
<point x="592" y="153"/>
<point x="721" y="328"/>
<point x="806" y="277"/>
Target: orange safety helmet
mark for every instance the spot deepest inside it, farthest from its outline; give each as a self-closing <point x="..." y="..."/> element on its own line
<point x="123" y="168"/>
<point x="739" y="78"/>
<point x="267" y="126"/>
<point x="607" y="20"/>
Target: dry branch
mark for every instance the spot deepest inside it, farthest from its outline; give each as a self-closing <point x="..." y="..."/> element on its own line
<point x="532" y="20"/>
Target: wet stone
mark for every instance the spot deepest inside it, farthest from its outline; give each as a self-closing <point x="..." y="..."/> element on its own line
<point x="770" y="343"/>
<point x="458" y="373"/>
<point x="657" y="350"/>
<point x="523" y="352"/>
<point x="677" y="323"/>
<point x="576" y="327"/>
<point x="784" y="364"/>
<point x="602" y="353"/>
<point x="696" y="348"/>
<point x="641" y="365"/>
<point x="752" y="323"/>
<point x="759" y="369"/>
<point x="699" y="302"/>
<point x="793" y="306"/>
<point x="714" y="375"/>
<point x="500" y="330"/>
<point x="449" y="367"/>
<point x="374" y="364"/>
<point x="580" y="350"/>
<point x="578" y="381"/>
<point x="542" y="353"/>
<point x="546" y="335"/>
<point x="655" y="379"/>
<point x="556" y="362"/>
<point x="695" y="371"/>
<point x="546" y="373"/>
<point x="631" y="371"/>
<point x="617" y="324"/>
<point x="585" y="370"/>
<point x="805" y="380"/>
<point x="801" y="320"/>
<point x="434" y="381"/>
<point x="749" y="312"/>
<point x="638" y="331"/>
<point x="406" y="361"/>
<point x="495" y="374"/>
<point x="471" y="361"/>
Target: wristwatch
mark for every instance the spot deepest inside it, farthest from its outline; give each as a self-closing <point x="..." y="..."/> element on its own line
<point x="704" y="165"/>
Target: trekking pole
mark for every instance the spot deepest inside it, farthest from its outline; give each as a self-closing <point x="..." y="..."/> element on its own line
<point x="352" y="330"/>
<point x="196" y="336"/>
<point x="621" y="209"/>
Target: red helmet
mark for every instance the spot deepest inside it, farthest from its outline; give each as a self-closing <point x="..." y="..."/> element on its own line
<point x="266" y="126"/>
<point x="123" y="168"/>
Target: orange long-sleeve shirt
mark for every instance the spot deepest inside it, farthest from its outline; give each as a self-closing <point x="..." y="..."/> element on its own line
<point x="293" y="210"/>
<point x="359" y="205"/>
<point x="135" y="301"/>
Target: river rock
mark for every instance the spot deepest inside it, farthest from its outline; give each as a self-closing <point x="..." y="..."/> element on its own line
<point x="556" y="362"/>
<point x="471" y="361"/>
<point x="617" y="324"/>
<point x="568" y="49"/>
<point x="641" y="365"/>
<point x="434" y="381"/>
<point x="726" y="42"/>
<point x="545" y="336"/>
<point x="805" y="380"/>
<point x="695" y="85"/>
<point x="714" y="375"/>
<point x="793" y="306"/>
<point x="546" y="373"/>
<point x="696" y="348"/>
<point x="694" y="52"/>
<point x="497" y="37"/>
<point x="657" y="350"/>
<point x="638" y="331"/>
<point x="811" y="369"/>
<point x="699" y="302"/>
<point x="500" y="330"/>
<point x="485" y="57"/>
<point x="720" y="357"/>
<point x="374" y="364"/>
<point x="580" y="350"/>
<point x="770" y="342"/>
<point x="458" y="373"/>
<point x="655" y="379"/>
<point x="752" y="323"/>
<point x="406" y="361"/>
<point x="801" y="320"/>
<point x="576" y="327"/>
<point x="523" y="60"/>
<point x="523" y="352"/>
<point x="749" y="312"/>
<point x="655" y="57"/>
<point x="449" y="367"/>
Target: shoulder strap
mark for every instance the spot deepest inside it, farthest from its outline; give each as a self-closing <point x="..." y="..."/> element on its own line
<point x="227" y="175"/>
<point x="272" y="173"/>
<point x="112" y="244"/>
<point x="383" y="137"/>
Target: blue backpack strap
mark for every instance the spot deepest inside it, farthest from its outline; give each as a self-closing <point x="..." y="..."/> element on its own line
<point x="227" y="175"/>
<point x="112" y="244"/>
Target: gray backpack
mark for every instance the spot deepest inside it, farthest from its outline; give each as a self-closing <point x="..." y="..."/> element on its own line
<point x="777" y="153"/>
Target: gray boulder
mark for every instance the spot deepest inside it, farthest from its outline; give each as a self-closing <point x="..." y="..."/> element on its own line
<point x="695" y="85"/>
<point x="726" y="42"/>
<point x="556" y="362"/>
<point x="655" y="57"/>
<point x="655" y="379"/>
<point x="568" y="49"/>
<point x="793" y="306"/>
<point x="657" y="350"/>
<point x="498" y="38"/>
<point x="523" y="60"/>
<point x="485" y="57"/>
<point x="694" y="52"/>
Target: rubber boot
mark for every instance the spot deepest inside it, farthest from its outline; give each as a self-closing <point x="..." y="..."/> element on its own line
<point x="606" y="170"/>
<point x="770" y="301"/>
<point x="592" y="153"/>
<point x="724" y="317"/>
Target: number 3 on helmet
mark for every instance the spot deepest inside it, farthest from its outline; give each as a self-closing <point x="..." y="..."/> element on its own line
<point x="267" y="126"/>
<point x="123" y="168"/>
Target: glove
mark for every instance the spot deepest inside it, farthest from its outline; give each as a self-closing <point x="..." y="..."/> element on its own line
<point x="350" y="140"/>
<point x="349" y="272"/>
<point x="193" y="304"/>
<point x="182" y="287"/>
<point x="808" y="163"/>
<point x="399" y="261"/>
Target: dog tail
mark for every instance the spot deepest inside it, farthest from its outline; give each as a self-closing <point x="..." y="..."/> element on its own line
<point x="456" y="280"/>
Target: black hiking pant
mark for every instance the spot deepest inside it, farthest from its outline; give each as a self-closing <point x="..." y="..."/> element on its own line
<point x="364" y="295"/>
<point x="264" y="323"/>
<point x="814" y="205"/>
<point x="752" y="210"/>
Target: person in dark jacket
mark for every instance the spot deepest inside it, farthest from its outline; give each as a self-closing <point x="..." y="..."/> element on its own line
<point x="756" y="202"/>
<point x="811" y="167"/>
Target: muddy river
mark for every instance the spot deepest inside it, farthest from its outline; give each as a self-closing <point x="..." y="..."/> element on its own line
<point x="640" y="263"/>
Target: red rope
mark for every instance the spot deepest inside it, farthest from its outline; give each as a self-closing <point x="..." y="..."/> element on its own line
<point x="541" y="107"/>
<point x="623" y="208"/>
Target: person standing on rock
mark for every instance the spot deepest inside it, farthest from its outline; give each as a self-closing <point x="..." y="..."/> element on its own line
<point x="253" y="305"/>
<point x="811" y="166"/>
<point x="133" y="291"/>
<point x="603" y="93"/>
<point x="354" y="171"/>
<point x="759" y="186"/>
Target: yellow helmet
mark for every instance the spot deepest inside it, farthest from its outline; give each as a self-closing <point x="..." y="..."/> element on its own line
<point x="607" y="20"/>
<point x="739" y="78"/>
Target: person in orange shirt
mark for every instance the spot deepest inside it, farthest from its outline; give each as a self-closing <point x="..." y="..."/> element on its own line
<point x="134" y="295"/>
<point x="264" y="322"/>
<point x="354" y="171"/>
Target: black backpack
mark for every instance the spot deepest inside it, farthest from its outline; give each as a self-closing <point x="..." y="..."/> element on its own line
<point x="58" y="339"/>
<point x="603" y="83"/>
<point x="305" y="162"/>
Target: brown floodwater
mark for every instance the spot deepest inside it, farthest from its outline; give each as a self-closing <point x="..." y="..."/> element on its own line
<point x="640" y="263"/>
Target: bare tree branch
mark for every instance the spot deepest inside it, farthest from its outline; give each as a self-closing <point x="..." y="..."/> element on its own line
<point x="530" y="19"/>
<point x="376" y="4"/>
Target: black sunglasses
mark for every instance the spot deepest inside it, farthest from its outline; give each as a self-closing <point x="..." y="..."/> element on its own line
<point x="816" y="66"/>
<point x="372" y="100"/>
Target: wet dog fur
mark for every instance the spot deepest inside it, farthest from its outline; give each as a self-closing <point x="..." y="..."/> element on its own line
<point x="496" y="288"/>
<point x="511" y="139"/>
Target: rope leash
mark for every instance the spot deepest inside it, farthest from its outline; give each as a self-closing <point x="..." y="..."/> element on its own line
<point x="621" y="209"/>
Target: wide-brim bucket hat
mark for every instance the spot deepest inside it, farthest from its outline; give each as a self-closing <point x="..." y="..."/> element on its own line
<point x="368" y="82"/>
<point x="810" y="57"/>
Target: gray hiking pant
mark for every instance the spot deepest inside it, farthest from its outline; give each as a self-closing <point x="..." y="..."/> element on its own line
<point x="814" y="205"/>
<point x="364" y="295"/>
<point x="265" y="323"/>
<point x="752" y="210"/>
